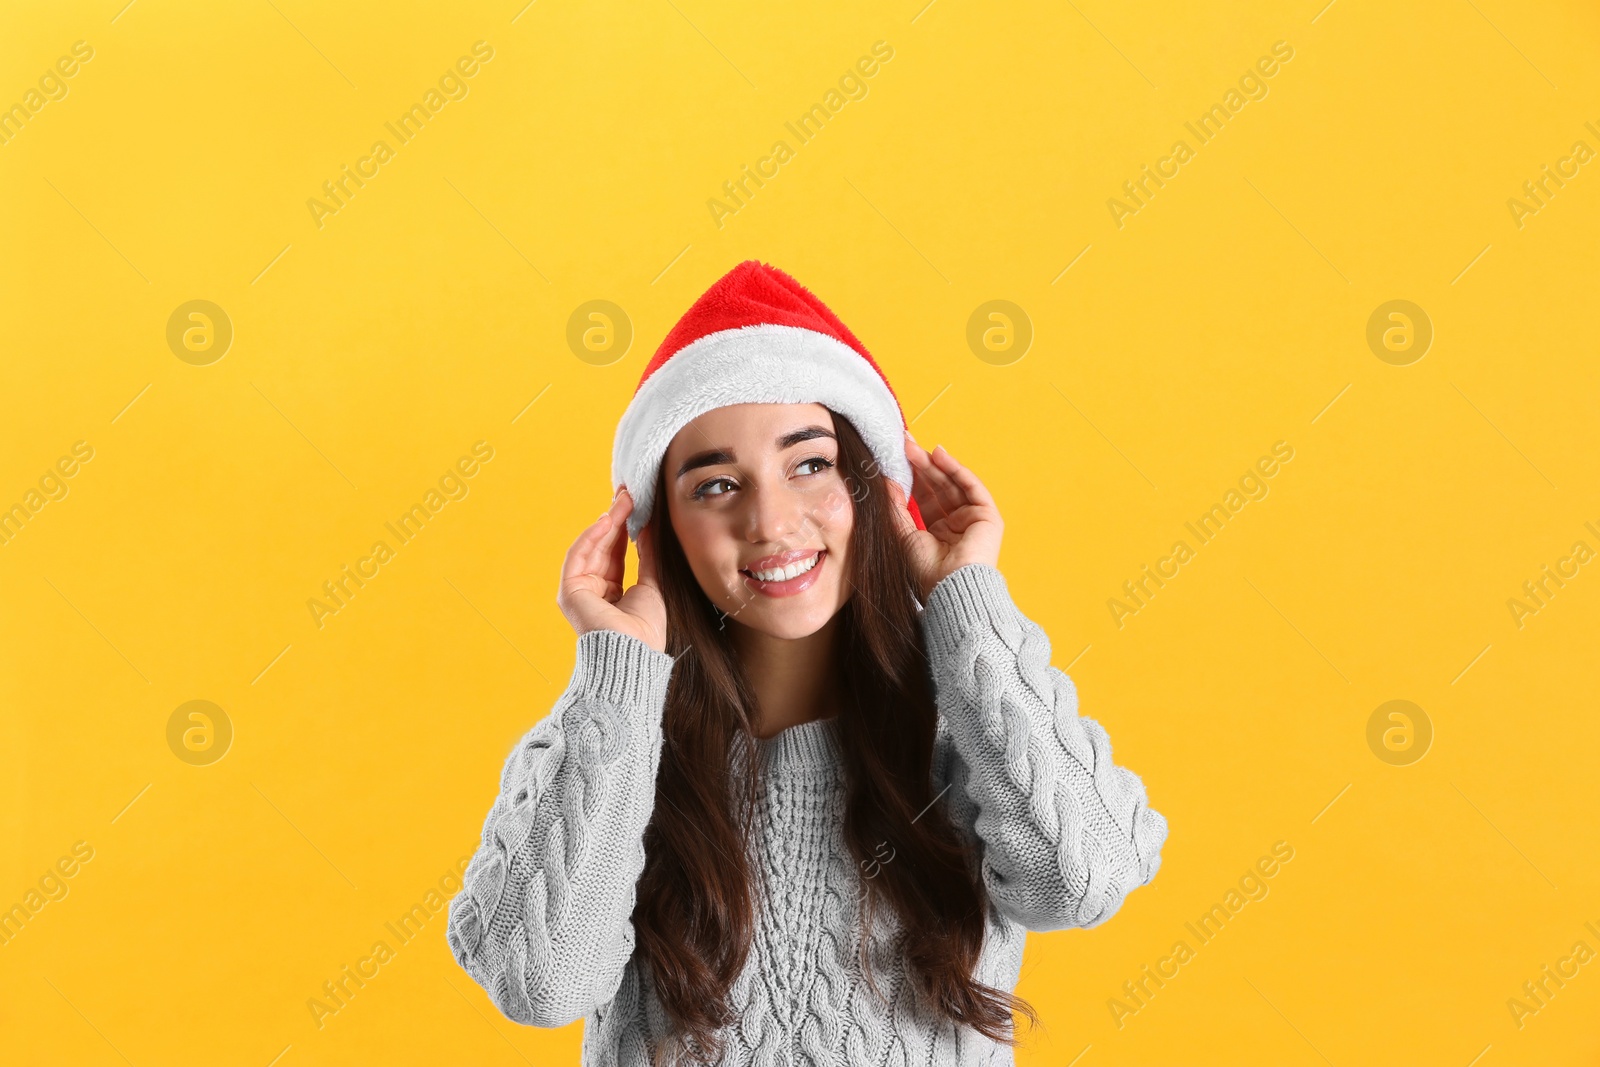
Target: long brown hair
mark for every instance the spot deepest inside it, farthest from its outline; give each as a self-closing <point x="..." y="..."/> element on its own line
<point x="694" y="913"/>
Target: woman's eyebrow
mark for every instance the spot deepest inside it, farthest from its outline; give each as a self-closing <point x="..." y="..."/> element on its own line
<point x="809" y="433"/>
<point x="706" y="459"/>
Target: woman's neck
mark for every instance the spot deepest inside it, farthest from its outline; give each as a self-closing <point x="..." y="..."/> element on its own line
<point x="794" y="681"/>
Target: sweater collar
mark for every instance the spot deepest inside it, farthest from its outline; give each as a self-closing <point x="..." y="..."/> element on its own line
<point x="806" y="746"/>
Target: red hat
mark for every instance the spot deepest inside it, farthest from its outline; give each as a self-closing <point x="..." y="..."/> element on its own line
<point x="756" y="336"/>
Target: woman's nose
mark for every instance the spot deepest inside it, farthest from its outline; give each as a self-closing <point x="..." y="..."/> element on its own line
<point x="774" y="517"/>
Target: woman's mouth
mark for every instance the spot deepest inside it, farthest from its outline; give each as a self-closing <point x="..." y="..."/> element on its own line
<point x="786" y="573"/>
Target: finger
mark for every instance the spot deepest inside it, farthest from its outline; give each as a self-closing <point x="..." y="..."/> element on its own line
<point x="621" y="505"/>
<point x="914" y="451"/>
<point x="649" y="576"/>
<point x="964" y="479"/>
<point x="962" y="519"/>
<point x="899" y="512"/>
<point x="616" y="556"/>
<point x="952" y="490"/>
<point x="943" y="493"/>
<point x="928" y="483"/>
<point x="580" y="557"/>
<point x="616" y="549"/>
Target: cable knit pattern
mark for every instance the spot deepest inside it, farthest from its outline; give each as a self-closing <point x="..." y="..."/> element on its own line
<point x="542" y="922"/>
<point x="1067" y="833"/>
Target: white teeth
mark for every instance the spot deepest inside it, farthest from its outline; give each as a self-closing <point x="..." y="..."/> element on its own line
<point x="793" y="570"/>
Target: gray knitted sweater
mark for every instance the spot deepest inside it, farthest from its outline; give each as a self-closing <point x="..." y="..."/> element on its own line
<point x="542" y="922"/>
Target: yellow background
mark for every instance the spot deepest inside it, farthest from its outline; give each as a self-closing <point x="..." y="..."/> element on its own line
<point x="369" y="354"/>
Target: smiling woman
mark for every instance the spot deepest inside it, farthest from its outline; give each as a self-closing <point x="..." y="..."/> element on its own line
<point x="813" y="779"/>
<point x="771" y="478"/>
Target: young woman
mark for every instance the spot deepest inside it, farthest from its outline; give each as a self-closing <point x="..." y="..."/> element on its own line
<point x="813" y="778"/>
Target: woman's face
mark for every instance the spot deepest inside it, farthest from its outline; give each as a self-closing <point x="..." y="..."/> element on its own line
<point x="763" y="514"/>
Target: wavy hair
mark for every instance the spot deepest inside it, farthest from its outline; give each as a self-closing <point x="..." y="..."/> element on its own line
<point x="695" y="906"/>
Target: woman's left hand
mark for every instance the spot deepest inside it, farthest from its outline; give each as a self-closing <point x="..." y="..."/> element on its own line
<point x="963" y="523"/>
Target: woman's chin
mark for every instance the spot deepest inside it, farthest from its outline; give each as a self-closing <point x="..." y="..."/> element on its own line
<point x="791" y="618"/>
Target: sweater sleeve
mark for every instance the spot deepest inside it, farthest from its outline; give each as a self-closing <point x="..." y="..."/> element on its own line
<point x="1065" y="833"/>
<point x="543" y="919"/>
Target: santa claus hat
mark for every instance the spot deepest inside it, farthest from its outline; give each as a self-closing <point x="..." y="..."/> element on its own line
<point x="756" y="336"/>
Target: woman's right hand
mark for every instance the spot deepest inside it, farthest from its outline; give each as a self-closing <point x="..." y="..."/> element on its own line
<point x="592" y="597"/>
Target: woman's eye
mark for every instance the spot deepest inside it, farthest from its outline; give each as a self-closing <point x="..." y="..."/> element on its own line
<point x="715" y="487"/>
<point x="814" y="465"/>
